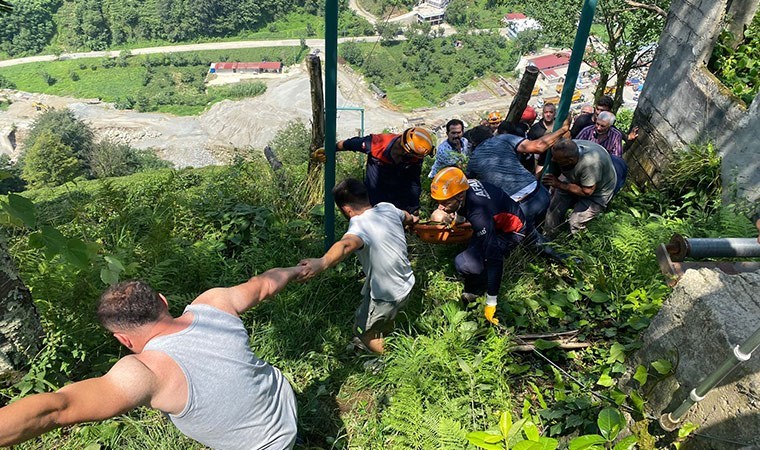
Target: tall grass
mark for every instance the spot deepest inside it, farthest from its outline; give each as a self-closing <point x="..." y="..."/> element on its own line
<point x="446" y="373"/>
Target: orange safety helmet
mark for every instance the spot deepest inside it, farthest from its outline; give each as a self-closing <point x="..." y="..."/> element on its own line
<point x="448" y="183"/>
<point x="417" y="141"/>
<point x="494" y="117"/>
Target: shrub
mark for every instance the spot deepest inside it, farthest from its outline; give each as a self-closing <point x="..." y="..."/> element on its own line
<point x="73" y="132"/>
<point x="50" y="161"/>
<point x="107" y="62"/>
<point x="5" y="83"/>
<point x="291" y="144"/>
<point x="48" y="78"/>
<point x="736" y="65"/>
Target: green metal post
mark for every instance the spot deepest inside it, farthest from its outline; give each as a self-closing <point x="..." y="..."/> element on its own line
<point x="576" y="58"/>
<point x="354" y="108"/>
<point x="740" y="354"/>
<point x="331" y="103"/>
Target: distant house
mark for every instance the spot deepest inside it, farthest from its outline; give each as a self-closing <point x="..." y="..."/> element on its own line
<point x="516" y="23"/>
<point x="553" y="67"/>
<point x="430" y="14"/>
<point x="246" y="67"/>
<point x="442" y="4"/>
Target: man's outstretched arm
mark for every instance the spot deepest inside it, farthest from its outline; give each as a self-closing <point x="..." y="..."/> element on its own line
<point x="338" y="252"/>
<point x="541" y="144"/>
<point x="238" y="299"/>
<point x="127" y="385"/>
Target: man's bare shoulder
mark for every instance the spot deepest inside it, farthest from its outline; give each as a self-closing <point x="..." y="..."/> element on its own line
<point x="218" y="298"/>
<point x="167" y="381"/>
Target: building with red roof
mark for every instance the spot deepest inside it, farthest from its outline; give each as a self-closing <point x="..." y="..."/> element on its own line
<point x="246" y="67"/>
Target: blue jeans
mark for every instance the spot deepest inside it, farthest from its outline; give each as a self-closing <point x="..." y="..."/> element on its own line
<point x="621" y="170"/>
<point x="534" y="206"/>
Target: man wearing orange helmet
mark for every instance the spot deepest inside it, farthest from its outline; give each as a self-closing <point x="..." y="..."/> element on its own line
<point x="494" y="119"/>
<point x="498" y="226"/>
<point x="394" y="165"/>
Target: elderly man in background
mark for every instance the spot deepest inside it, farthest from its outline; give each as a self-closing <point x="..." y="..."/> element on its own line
<point x="603" y="133"/>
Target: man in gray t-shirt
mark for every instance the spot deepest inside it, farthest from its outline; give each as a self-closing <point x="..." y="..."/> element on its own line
<point x="376" y="235"/>
<point x="588" y="185"/>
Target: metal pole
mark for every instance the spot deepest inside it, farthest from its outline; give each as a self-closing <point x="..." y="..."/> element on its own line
<point x="681" y="248"/>
<point x="576" y="57"/>
<point x="740" y="354"/>
<point x="354" y="108"/>
<point x="331" y="103"/>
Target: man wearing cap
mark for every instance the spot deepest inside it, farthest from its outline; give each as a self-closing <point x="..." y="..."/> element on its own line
<point x="394" y="165"/>
<point x="498" y="226"/>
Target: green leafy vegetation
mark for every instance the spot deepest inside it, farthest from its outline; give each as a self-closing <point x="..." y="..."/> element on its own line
<point x="736" y="63"/>
<point x="425" y="70"/>
<point x="61" y="148"/>
<point x="172" y="83"/>
<point x="98" y="25"/>
<point x="449" y="381"/>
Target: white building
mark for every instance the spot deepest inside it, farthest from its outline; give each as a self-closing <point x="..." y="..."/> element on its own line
<point x="516" y="23"/>
<point x="441" y="4"/>
<point x="429" y="14"/>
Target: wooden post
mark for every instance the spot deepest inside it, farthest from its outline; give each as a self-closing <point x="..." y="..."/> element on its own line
<point x="317" y="110"/>
<point x="524" y="92"/>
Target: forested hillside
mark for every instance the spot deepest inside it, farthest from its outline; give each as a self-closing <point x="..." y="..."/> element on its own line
<point x="35" y="25"/>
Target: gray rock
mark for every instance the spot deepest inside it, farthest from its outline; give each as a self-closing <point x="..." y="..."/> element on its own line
<point x="706" y="316"/>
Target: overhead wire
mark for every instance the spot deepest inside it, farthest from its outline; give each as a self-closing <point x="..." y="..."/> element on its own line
<point x="367" y="58"/>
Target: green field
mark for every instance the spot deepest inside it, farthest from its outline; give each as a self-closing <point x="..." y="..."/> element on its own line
<point x="424" y="71"/>
<point x="113" y="84"/>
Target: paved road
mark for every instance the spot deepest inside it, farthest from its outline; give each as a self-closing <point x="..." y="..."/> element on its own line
<point x="313" y="43"/>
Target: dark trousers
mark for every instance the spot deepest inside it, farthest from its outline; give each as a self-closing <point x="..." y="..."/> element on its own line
<point x="471" y="262"/>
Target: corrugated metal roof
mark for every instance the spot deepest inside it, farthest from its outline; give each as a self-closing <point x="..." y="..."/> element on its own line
<point x="267" y="65"/>
<point x="551" y="61"/>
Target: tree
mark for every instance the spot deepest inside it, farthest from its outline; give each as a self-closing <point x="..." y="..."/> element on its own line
<point x="632" y="29"/>
<point x="456" y="12"/>
<point x="291" y="143"/>
<point x="528" y="41"/>
<point x="50" y="162"/>
<point x="28" y="27"/>
<point x="388" y="32"/>
<point x="72" y="132"/>
<point x="351" y="52"/>
<point x="20" y="328"/>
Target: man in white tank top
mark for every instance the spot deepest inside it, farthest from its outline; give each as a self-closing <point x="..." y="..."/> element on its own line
<point x="176" y="368"/>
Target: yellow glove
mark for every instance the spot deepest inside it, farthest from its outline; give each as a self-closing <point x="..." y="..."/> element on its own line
<point x="319" y="154"/>
<point x="490" y="309"/>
